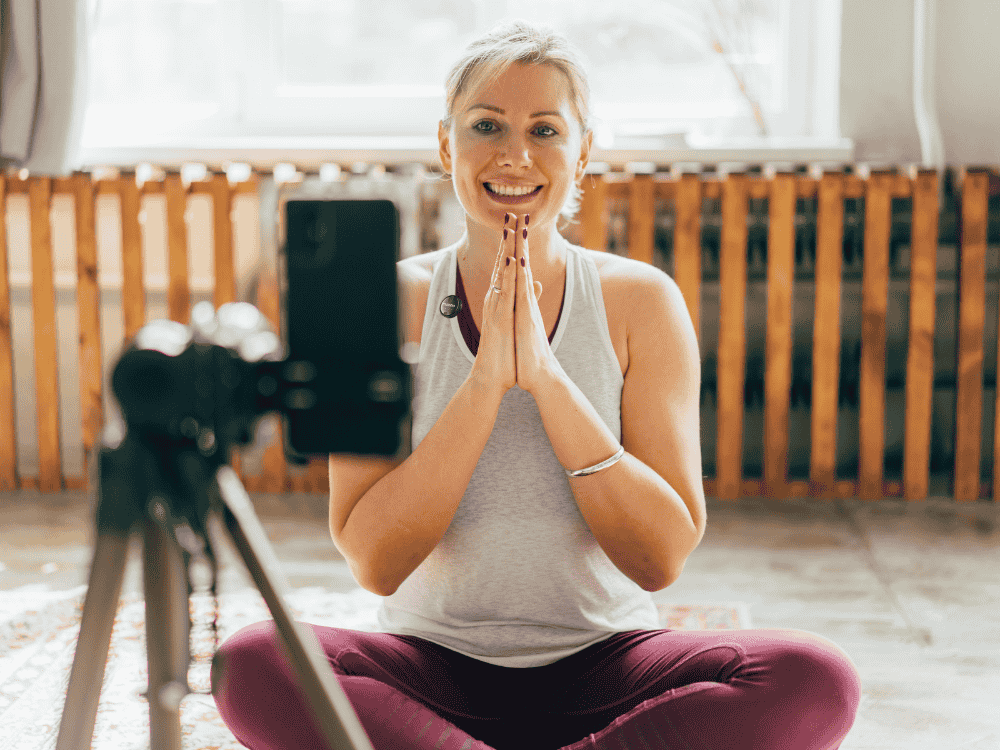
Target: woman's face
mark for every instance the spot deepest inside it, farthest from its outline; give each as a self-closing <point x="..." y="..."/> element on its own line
<point x="520" y="131"/>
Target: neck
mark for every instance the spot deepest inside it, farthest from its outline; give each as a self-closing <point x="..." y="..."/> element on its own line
<point x="478" y="247"/>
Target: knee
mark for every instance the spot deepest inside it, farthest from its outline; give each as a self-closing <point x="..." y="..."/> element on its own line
<point x="248" y="656"/>
<point x="825" y="674"/>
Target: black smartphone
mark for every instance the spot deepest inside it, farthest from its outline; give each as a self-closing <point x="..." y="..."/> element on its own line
<point x="347" y="390"/>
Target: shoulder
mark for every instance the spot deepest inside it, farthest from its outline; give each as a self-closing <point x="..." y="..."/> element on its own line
<point x="635" y="286"/>
<point x="422" y="265"/>
<point x="416" y="272"/>
<point x="622" y="271"/>
<point x="414" y="276"/>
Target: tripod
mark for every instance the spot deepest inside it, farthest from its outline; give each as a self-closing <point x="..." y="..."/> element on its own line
<point x="164" y="477"/>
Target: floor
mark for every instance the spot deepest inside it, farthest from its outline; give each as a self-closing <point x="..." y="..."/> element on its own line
<point x="911" y="591"/>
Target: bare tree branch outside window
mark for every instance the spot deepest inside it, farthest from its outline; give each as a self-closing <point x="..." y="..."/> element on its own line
<point x="729" y="24"/>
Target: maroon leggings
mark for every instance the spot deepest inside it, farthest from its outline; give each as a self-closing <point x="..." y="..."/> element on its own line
<point x="643" y="689"/>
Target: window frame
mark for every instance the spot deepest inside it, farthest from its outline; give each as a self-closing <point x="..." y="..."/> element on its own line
<point x="338" y="119"/>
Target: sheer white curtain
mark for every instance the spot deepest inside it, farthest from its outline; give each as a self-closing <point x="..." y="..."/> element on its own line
<point x="43" y="63"/>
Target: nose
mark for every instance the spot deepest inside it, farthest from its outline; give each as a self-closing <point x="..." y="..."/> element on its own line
<point x="514" y="152"/>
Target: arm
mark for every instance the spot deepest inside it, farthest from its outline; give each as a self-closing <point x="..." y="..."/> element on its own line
<point x="647" y="511"/>
<point x="403" y="516"/>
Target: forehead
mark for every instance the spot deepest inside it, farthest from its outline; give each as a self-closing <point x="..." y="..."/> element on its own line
<point x="522" y="89"/>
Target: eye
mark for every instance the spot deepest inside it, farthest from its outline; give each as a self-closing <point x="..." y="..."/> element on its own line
<point x="492" y="128"/>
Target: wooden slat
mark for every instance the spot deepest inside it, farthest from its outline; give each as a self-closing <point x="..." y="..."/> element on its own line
<point x="687" y="245"/>
<point x="996" y="426"/>
<point x="275" y="468"/>
<point x="759" y="188"/>
<point x="178" y="289"/>
<point x="826" y="337"/>
<point x="641" y="218"/>
<point x="920" y="355"/>
<point x="806" y="187"/>
<point x="319" y="474"/>
<point x="778" y="362"/>
<point x="222" y="224"/>
<point x="854" y="186"/>
<point x="874" y="304"/>
<point x="732" y="337"/>
<point x="8" y="436"/>
<point x="224" y="291"/>
<point x="971" y="320"/>
<point x="594" y="212"/>
<point x="133" y="287"/>
<point x="841" y="488"/>
<point x="43" y="303"/>
<point x="88" y="301"/>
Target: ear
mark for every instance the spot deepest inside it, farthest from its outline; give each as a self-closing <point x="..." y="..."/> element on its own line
<point x="585" y="145"/>
<point x="444" y="146"/>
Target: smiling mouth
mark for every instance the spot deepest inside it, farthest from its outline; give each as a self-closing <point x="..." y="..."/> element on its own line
<point x="511" y="195"/>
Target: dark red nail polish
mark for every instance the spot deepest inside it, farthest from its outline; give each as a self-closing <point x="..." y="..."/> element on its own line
<point x="506" y="218"/>
<point x="522" y="261"/>
<point x="505" y="234"/>
<point x="524" y="233"/>
<point x="527" y="218"/>
<point x="508" y="260"/>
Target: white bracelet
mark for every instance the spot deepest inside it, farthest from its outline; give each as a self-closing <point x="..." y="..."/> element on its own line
<point x="597" y="467"/>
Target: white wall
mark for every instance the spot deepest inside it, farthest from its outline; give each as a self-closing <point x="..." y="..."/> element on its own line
<point x="876" y="81"/>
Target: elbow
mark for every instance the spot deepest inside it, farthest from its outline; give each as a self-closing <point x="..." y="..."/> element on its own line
<point x="659" y="583"/>
<point x="666" y="576"/>
<point x="652" y="580"/>
<point x="366" y="579"/>
<point x="376" y="578"/>
<point x="363" y="571"/>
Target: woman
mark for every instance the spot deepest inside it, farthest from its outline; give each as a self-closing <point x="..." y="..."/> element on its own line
<point x="517" y="545"/>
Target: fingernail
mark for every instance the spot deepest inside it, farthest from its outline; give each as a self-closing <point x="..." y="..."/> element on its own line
<point x="527" y="218"/>
<point x="524" y="233"/>
<point x="506" y="218"/>
<point x="508" y="260"/>
<point x="505" y="234"/>
<point x="522" y="261"/>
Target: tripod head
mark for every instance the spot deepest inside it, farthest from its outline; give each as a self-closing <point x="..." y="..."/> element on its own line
<point x="188" y="395"/>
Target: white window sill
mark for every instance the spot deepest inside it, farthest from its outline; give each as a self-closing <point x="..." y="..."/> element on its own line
<point x="312" y="151"/>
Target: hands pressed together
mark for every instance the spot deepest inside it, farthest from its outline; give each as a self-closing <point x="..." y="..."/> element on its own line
<point x="514" y="346"/>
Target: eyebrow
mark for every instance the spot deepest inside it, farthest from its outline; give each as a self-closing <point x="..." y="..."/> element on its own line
<point x="502" y="112"/>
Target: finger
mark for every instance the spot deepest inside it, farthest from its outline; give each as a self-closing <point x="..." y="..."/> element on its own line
<point x="512" y="249"/>
<point x="538" y="289"/>
<point x="523" y="258"/>
<point x="504" y="251"/>
<point x="509" y="278"/>
<point x="497" y="269"/>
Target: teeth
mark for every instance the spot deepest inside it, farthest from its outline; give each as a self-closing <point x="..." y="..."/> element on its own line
<point x="504" y="190"/>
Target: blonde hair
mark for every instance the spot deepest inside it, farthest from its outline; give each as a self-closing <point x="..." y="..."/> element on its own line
<point x="487" y="58"/>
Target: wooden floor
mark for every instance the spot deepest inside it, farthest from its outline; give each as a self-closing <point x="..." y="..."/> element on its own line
<point x="911" y="591"/>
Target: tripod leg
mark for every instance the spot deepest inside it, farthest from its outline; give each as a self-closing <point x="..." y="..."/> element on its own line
<point x="165" y="587"/>
<point x="335" y="716"/>
<point x="76" y="728"/>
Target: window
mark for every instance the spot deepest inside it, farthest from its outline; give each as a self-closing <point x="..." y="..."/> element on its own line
<point x="176" y="71"/>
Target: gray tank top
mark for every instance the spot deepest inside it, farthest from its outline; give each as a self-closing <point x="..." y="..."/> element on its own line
<point x="518" y="580"/>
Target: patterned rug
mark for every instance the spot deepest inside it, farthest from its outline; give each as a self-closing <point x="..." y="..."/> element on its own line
<point x="39" y="631"/>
